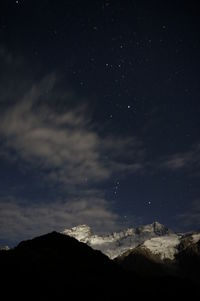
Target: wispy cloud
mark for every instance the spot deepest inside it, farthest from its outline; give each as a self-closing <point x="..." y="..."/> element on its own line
<point x="48" y="128"/>
<point x="188" y="160"/>
<point x="65" y="143"/>
<point x="21" y="220"/>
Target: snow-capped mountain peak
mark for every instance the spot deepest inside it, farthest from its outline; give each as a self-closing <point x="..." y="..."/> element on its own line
<point x="117" y="243"/>
<point x="80" y="232"/>
<point x="155" y="228"/>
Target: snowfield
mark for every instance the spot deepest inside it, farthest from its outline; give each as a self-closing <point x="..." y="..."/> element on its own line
<point x="164" y="246"/>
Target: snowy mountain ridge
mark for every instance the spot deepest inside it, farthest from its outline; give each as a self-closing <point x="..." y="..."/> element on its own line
<point x="117" y="243"/>
<point x="155" y="238"/>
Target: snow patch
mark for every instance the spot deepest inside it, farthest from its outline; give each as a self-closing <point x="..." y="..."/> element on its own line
<point x="4" y="248"/>
<point x="196" y="237"/>
<point x="164" y="246"/>
<point x="81" y="232"/>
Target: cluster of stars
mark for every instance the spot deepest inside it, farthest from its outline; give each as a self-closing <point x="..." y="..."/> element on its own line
<point x="116" y="188"/>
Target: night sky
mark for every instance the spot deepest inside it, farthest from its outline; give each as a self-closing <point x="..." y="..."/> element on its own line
<point x="99" y="115"/>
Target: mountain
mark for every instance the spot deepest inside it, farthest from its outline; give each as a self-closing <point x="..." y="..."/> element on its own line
<point x="155" y="239"/>
<point x="165" y="247"/>
<point x="171" y="255"/>
<point x="116" y="243"/>
<point x="55" y="266"/>
<point x="149" y="251"/>
<point x="59" y="267"/>
<point x="188" y="257"/>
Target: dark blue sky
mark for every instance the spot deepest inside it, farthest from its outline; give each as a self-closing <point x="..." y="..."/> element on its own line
<point x="99" y="115"/>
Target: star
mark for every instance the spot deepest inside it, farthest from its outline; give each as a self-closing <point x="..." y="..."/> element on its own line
<point x="129" y="107"/>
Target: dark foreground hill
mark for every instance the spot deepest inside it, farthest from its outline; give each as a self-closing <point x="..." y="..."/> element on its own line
<point x="58" y="267"/>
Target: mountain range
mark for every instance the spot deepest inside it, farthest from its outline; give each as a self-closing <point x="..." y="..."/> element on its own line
<point x="146" y="262"/>
<point x="150" y="250"/>
<point x="155" y="237"/>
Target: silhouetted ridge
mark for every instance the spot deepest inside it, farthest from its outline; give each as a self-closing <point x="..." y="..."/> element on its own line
<point x="58" y="248"/>
<point x="58" y="267"/>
